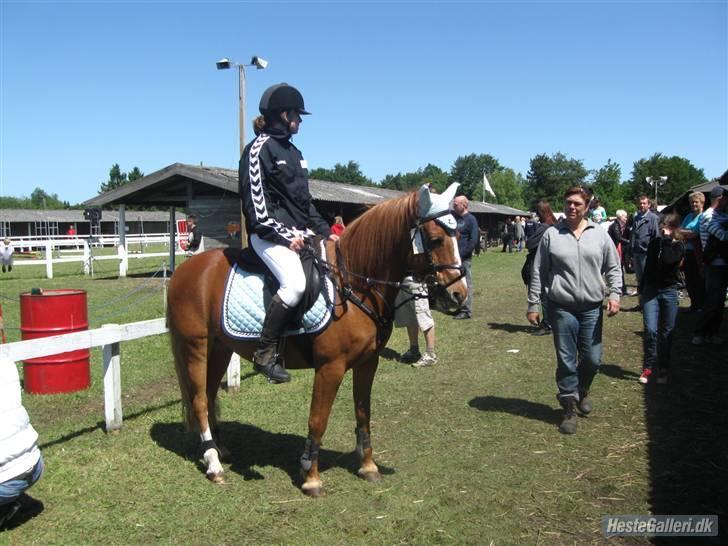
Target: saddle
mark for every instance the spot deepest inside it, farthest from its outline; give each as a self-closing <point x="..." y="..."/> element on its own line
<point x="250" y="286"/>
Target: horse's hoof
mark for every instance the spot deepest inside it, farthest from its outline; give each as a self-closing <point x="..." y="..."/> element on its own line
<point x="313" y="492"/>
<point x="217" y="477"/>
<point x="370" y="476"/>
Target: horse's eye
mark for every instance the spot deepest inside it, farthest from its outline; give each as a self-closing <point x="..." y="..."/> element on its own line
<point x="436" y="242"/>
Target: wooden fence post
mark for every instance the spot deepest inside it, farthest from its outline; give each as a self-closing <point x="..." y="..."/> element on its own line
<point x="112" y="384"/>
<point x="233" y="373"/>
<point x="49" y="259"/>
<point x="123" y="261"/>
<point x="86" y="258"/>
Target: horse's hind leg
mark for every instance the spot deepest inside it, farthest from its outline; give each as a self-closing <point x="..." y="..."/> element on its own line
<point x="363" y="379"/>
<point x="195" y="353"/>
<point x="217" y="363"/>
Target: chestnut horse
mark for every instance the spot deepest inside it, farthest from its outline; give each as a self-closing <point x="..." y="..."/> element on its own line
<point x="367" y="263"/>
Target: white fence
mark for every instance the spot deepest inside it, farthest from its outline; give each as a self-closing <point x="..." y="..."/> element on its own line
<point x="85" y="254"/>
<point x="27" y="243"/>
<point x="109" y="337"/>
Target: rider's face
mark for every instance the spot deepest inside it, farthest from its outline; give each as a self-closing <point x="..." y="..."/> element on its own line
<point x="293" y="120"/>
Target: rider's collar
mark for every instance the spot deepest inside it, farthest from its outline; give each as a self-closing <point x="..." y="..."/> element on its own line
<point x="279" y="134"/>
<point x="436" y="206"/>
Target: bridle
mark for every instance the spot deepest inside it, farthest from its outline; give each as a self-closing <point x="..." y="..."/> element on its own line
<point x="429" y="277"/>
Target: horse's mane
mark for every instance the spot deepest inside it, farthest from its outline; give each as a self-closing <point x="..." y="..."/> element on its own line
<point x="370" y="243"/>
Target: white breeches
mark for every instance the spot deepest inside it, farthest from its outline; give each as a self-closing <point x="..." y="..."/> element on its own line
<point x="286" y="266"/>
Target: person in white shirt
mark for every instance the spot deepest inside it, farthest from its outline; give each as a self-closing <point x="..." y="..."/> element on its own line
<point x="6" y="255"/>
<point x="21" y="464"/>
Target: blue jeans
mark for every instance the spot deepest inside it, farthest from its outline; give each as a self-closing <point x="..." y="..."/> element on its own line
<point x="578" y="344"/>
<point x="659" y="311"/>
<point x="12" y="489"/>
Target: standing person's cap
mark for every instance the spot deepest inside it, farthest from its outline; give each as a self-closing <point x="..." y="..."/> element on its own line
<point x="280" y="98"/>
<point x="716" y="192"/>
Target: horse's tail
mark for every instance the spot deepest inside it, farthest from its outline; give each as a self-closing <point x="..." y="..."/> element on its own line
<point x="183" y="376"/>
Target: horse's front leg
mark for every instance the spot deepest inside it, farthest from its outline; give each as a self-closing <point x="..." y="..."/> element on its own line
<point x="325" y="386"/>
<point x="363" y="379"/>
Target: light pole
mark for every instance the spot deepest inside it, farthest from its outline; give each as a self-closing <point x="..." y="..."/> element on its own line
<point x="656" y="181"/>
<point x="225" y="64"/>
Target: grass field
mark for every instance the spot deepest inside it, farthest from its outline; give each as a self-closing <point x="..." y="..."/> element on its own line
<point x="469" y="448"/>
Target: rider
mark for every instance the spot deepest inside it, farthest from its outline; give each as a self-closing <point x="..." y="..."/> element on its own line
<point x="278" y="211"/>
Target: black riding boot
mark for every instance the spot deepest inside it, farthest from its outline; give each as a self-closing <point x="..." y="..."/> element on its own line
<point x="266" y="359"/>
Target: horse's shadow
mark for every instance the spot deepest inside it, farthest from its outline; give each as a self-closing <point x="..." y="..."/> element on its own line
<point x="517" y="406"/>
<point x="250" y="447"/>
<point x="511" y="328"/>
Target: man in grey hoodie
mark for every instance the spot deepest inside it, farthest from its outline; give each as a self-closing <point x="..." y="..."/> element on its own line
<point x="569" y="267"/>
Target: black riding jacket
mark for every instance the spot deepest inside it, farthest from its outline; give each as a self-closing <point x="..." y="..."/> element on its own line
<point x="273" y="181"/>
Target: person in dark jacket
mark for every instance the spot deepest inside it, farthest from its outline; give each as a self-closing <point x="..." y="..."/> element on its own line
<point x="547" y="219"/>
<point x="194" y="235"/>
<point x="660" y="298"/>
<point x="279" y="213"/>
<point x="469" y="237"/>
<point x="644" y="228"/>
<point x="619" y="233"/>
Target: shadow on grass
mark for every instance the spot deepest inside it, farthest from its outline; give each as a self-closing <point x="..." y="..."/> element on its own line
<point x="519" y="407"/>
<point x="389" y="354"/>
<point x="617" y="372"/>
<point x="511" y="328"/>
<point x="686" y="425"/>
<point x="102" y="424"/>
<point x="250" y="447"/>
<point x="29" y="508"/>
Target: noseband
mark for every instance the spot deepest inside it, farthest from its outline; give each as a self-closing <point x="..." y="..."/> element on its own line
<point x="429" y="275"/>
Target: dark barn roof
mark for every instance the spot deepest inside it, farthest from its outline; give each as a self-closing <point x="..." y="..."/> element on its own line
<point x="178" y="183"/>
<point x="71" y="216"/>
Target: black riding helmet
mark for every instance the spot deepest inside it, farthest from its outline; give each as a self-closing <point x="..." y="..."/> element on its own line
<point x="281" y="98"/>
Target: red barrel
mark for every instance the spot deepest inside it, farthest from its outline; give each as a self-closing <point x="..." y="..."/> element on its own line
<point x="50" y="313"/>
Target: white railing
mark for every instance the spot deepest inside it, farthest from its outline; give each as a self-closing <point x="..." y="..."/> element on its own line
<point x="109" y="337"/>
<point x="85" y="255"/>
<point x="27" y="243"/>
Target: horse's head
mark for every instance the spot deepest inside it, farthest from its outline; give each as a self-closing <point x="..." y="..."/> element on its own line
<point x="436" y="259"/>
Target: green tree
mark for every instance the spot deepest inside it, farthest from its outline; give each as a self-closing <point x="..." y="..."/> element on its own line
<point x="39" y="199"/>
<point x="118" y="178"/>
<point x="469" y="169"/>
<point x="347" y="174"/>
<point x="135" y="174"/>
<point x="681" y="176"/>
<point x="607" y="187"/>
<point x="550" y="176"/>
<point x="508" y="187"/>
<point x="431" y="174"/>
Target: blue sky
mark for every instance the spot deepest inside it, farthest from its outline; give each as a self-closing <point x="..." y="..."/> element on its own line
<point x="392" y="85"/>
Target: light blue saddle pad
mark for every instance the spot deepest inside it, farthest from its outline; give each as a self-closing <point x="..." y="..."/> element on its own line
<point x="243" y="307"/>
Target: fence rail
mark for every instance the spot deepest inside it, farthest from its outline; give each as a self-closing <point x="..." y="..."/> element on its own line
<point x="109" y="338"/>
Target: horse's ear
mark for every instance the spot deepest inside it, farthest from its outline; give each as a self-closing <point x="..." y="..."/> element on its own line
<point x="425" y="200"/>
<point x="449" y="193"/>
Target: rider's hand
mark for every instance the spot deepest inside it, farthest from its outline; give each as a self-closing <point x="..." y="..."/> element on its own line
<point x="333" y="237"/>
<point x="296" y="244"/>
<point x="533" y="317"/>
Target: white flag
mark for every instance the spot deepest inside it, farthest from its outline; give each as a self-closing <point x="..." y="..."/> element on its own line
<point x="486" y="185"/>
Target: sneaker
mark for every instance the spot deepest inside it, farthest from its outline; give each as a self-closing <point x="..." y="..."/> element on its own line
<point x="462" y="316"/>
<point x="714" y="340"/>
<point x="698" y="340"/>
<point x="645" y="377"/>
<point x="662" y="377"/>
<point x="542" y="331"/>
<point x="412" y="355"/>
<point x="632" y="292"/>
<point x="427" y="360"/>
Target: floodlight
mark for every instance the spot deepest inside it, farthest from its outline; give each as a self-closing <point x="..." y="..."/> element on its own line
<point x="223" y="64"/>
<point x="259" y="62"/>
<point x="663" y="178"/>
